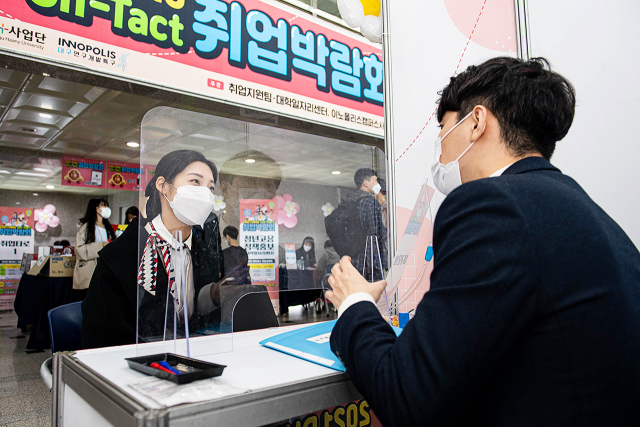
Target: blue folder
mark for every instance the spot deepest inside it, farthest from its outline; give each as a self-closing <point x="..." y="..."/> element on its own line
<point x="310" y="343"/>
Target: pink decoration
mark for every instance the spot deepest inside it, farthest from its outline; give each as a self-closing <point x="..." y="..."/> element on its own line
<point x="287" y="210"/>
<point x="495" y="29"/>
<point x="45" y="218"/>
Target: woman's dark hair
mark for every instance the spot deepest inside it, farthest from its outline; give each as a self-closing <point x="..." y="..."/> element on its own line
<point x="168" y="167"/>
<point x="534" y="106"/>
<point x="91" y="216"/>
<point x="131" y="211"/>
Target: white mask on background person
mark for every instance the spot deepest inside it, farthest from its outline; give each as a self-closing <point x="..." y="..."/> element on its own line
<point x="307" y="248"/>
<point x="192" y="204"/>
<point x="376" y="189"/>
<point x="105" y="212"/>
<point x="447" y="177"/>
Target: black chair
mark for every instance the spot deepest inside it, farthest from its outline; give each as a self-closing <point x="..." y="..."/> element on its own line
<point x="254" y="311"/>
<point x="65" y="325"/>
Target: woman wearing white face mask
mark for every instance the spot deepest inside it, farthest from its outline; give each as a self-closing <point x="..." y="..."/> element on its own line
<point x="95" y="232"/>
<point x="307" y="252"/>
<point x="180" y="198"/>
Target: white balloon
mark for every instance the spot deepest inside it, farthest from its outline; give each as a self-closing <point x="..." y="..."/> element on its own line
<point x="352" y="12"/>
<point x="371" y="28"/>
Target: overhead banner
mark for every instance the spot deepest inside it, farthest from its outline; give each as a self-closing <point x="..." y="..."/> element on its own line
<point x="263" y="55"/>
<point x="79" y="172"/>
<point x="123" y="176"/>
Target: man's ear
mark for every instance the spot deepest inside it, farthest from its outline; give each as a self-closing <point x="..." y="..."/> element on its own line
<point x="479" y="116"/>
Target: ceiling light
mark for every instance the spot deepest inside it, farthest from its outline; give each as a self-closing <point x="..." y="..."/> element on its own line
<point x="42" y="170"/>
<point x="17" y="203"/>
<point x="46" y="106"/>
<point x="35" y="194"/>
<point x="50" y="187"/>
<point x="28" y="129"/>
<point x="46" y="74"/>
<point x="336" y="173"/>
<point x="4" y="171"/>
<point x="31" y="174"/>
<point x="133" y="144"/>
<point x="46" y="116"/>
<point x="249" y="160"/>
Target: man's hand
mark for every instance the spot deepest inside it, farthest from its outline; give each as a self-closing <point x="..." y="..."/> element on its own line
<point x="346" y="280"/>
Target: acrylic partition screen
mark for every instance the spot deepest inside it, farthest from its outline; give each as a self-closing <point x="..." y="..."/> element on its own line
<point x="241" y="224"/>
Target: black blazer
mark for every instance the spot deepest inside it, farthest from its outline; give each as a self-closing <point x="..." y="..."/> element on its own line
<point x="109" y="309"/>
<point x="532" y="319"/>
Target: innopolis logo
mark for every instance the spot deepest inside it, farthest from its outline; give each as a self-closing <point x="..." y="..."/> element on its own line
<point x="2" y="28"/>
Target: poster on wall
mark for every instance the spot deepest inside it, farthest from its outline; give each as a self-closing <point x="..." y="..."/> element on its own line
<point x="79" y="172"/>
<point x="263" y="55"/>
<point x="259" y="237"/>
<point x="123" y="176"/>
<point x="16" y="239"/>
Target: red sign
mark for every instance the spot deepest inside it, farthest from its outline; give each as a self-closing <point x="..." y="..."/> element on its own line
<point x="79" y="172"/>
<point x="123" y="176"/>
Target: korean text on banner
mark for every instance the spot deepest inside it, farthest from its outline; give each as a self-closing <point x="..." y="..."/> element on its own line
<point x="263" y="55"/>
<point x="123" y="176"/>
<point x="79" y="172"/>
<point x="259" y="237"/>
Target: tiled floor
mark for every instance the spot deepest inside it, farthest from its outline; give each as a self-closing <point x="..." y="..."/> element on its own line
<point x="24" y="399"/>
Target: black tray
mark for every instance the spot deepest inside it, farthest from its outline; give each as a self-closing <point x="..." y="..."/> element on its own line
<point x="193" y="369"/>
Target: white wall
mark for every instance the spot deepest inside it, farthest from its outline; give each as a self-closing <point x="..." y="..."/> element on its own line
<point x="595" y="46"/>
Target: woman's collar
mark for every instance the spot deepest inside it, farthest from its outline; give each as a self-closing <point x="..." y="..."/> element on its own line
<point x="164" y="233"/>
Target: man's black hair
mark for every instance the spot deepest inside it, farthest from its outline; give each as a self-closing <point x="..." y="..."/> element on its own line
<point x="534" y="106"/>
<point x="328" y="244"/>
<point x="230" y="231"/>
<point x="362" y="175"/>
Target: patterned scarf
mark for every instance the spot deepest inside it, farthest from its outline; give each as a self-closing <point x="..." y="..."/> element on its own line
<point x="148" y="270"/>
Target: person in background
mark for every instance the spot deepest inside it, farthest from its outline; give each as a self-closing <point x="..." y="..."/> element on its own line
<point x="61" y="243"/>
<point x="370" y="213"/>
<point x="130" y="214"/>
<point x="328" y="258"/>
<point x="381" y="197"/>
<point x="234" y="255"/>
<point x="307" y="252"/>
<point x="94" y="234"/>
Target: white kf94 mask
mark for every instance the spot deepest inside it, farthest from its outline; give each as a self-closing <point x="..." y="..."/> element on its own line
<point x="192" y="204"/>
<point x="447" y="177"/>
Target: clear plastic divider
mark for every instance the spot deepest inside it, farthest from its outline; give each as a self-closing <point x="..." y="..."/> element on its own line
<point x="238" y="227"/>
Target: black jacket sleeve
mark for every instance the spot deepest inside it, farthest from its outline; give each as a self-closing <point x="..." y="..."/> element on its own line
<point x="108" y="312"/>
<point x="482" y="296"/>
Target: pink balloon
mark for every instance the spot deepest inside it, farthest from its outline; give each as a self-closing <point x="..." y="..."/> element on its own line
<point x="290" y="221"/>
<point x="280" y="202"/>
<point x="49" y="208"/>
<point x="281" y="217"/>
<point x="40" y="226"/>
<point x="54" y="221"/>
<point x="297" y="207"/>
<point x="37" y="214"/>
<point x="288" y="197"/>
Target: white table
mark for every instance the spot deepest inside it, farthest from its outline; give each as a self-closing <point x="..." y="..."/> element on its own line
<point x="91" y="387"/>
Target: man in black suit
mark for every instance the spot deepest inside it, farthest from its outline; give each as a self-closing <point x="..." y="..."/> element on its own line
<point x="533" y="315"/>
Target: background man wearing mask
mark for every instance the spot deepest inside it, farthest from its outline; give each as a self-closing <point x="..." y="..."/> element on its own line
<point x="532" y="316"/>
<point x="370" y="213"/>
